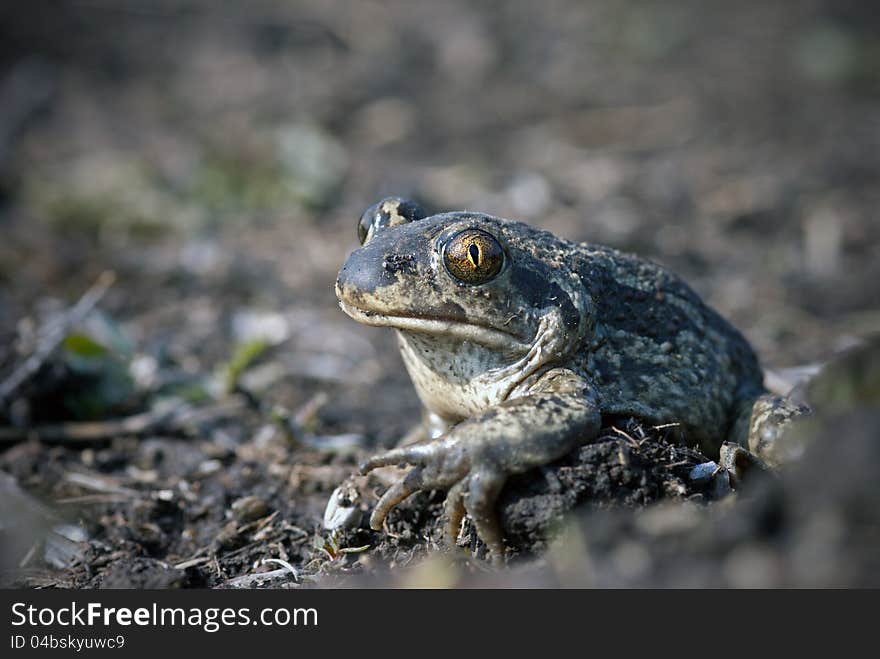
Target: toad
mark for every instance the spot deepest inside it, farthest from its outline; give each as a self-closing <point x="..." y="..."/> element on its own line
<point x="519" y="345"/>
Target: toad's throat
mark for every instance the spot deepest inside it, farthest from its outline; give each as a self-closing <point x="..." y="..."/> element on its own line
<point x="491" y="337"/>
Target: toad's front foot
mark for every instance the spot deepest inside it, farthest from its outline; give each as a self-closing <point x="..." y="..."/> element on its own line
<point x="473" y="486"/>
<point x="473" y="460"/>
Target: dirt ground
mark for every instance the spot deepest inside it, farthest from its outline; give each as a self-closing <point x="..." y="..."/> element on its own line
<point x="180" y="183"/>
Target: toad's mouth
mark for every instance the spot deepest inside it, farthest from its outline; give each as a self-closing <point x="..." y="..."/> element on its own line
<point x="490" y="337"/>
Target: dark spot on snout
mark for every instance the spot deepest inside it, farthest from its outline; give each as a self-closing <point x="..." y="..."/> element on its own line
<point x="377" y="265"/>
<point x="400" y="263"/>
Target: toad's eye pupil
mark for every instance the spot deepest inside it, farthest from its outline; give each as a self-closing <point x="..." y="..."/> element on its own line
<point x="474" y="253"/>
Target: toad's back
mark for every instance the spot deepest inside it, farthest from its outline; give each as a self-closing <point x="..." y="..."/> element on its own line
<point x="658" y="352"/>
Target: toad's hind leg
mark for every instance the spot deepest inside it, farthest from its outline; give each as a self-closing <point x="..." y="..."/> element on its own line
<point x="762" y="421"/>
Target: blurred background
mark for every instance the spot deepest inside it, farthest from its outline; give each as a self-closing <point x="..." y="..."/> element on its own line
<point x="215" y="157"/>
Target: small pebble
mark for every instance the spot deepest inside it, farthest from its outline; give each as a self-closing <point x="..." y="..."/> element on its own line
<point x="248" y="509"/>
<point x="703" y="473"/>
<point x="714" y="478"/>
<point x="209" y="467"/>
<point x="228" y="536"/>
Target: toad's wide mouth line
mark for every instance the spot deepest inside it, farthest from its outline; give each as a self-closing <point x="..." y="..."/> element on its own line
<point x="487" y="336"/>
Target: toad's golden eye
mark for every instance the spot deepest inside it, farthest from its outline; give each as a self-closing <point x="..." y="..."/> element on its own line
<point x="473" y="256"/>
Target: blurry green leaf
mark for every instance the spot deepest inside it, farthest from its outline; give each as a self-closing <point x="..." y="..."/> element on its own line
<point x="84" y="346"/>
<point x="244" y="356"/>
<point x="194" y="393"/>
<point x="85" y="356"/>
